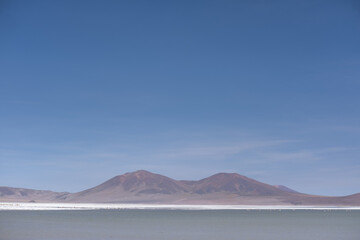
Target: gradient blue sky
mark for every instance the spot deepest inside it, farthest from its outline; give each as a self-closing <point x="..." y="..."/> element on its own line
<point x="94" y="89"/>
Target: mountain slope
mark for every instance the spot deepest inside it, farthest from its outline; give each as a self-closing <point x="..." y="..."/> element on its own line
<point x="222" y="188"/>
<point x="286" y="189"/>
<point x="143" y="186"/>
<point x="235" y="183"/>
<point x="132" y="187"/>
<point x="146" y="187"/>
<point x="26" y="195"/>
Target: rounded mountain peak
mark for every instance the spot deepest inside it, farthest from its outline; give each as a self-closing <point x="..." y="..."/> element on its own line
<point x="234" y="183"/>
<point x="140" y="174"/>
<point x="142" y="181"/>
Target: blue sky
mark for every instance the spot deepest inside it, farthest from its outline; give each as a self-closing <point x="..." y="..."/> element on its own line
<point x="94" y="89"/>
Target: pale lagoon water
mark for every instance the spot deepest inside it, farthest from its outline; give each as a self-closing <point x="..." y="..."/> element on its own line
<point x="145" y="224"/>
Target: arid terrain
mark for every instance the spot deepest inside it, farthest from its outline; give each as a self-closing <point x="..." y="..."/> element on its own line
<point x="146" y="187"/>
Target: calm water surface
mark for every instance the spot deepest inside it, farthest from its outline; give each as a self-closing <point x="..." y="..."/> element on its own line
<point x="180" y="225"/>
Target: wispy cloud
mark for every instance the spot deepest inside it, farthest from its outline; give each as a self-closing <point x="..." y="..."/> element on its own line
<point x="217" y="151"/>
<point x="305" y="155"/>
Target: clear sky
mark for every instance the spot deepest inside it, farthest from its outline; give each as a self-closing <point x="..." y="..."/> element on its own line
<point x="94" y="89"/>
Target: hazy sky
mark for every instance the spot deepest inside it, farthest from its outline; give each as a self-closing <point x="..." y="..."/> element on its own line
<point x="94" y="89"/>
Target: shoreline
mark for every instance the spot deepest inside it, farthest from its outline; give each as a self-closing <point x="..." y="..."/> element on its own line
<point x="115" y="206"/>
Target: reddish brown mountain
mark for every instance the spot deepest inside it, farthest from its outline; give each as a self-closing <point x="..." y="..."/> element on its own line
<point x="142" y="182"/>
<point x="146" y="187"/>
<point x="222" y="188"/>
<point x="132" y="187"/>
<point x="235" y="183"/>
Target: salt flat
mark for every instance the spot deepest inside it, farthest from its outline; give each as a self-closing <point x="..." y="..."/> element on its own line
<point x="99" y="206"/>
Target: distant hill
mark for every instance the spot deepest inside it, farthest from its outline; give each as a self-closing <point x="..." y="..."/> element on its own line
<point x="25" y="195"/>
<point x="146" y="187"/>
<point x="233" y="183"/>
<point x="139" y="186"/>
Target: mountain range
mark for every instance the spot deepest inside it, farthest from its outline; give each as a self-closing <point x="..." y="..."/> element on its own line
<point x="146" y="187"/>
